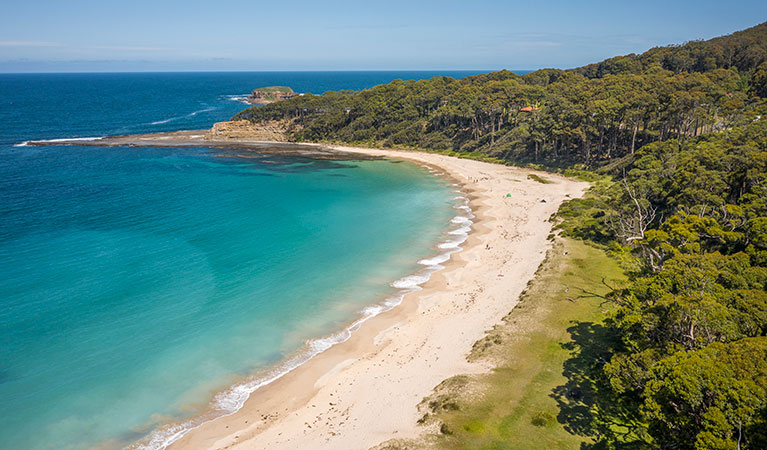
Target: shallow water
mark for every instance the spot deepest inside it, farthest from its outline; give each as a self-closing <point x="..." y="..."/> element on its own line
<point x="136" y="283"/>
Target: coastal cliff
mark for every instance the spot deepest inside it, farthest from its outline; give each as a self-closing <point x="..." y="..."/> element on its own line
<point x="270" y="94"/>
<point x="270" y="130"/>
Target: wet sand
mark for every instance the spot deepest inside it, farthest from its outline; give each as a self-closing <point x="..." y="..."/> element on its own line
<point x="366" y="390"/>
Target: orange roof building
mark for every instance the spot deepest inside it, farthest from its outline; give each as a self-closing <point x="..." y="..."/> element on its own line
<point x="529" y="109"/>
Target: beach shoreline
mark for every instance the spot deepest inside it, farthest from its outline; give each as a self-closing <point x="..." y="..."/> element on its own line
<point x="366" y="389"/>
<point x="453" y="235"/>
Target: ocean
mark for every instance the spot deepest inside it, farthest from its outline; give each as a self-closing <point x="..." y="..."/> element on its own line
<point x="140" y="287"/>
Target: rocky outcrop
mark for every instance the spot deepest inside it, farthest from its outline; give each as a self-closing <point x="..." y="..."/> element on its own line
<point x="272" y="130"/>
<point x="271" y="94"/>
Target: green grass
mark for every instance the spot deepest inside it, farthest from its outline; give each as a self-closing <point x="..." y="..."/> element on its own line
<point x="538" y="178"/>
<point x="544" y="391"/>
<point x="275" y="89"/>
<point x="588" y="218"/>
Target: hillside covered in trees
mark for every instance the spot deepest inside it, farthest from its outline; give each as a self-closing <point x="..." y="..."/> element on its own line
<point x="690" y="328"/>
<point x="587" y="115"/>
<point x="679" y="137"/>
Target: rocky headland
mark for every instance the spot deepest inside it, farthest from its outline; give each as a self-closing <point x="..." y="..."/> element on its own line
<point x="270" y="94"/>
<point x="271" y="130"/>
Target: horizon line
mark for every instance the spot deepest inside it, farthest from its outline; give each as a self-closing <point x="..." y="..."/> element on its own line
<point x="263" y="71"/>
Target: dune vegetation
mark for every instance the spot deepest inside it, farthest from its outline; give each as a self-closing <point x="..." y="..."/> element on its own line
<point x="675" y="143"/>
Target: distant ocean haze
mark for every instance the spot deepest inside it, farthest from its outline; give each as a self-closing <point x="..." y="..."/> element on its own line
<point x="138" y="282"/>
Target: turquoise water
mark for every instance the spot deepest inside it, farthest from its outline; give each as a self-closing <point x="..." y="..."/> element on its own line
<point x="135" y="283"/>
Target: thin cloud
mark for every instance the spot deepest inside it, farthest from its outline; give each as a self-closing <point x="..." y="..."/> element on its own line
<point x="131" y="48"/>
<point x="126" y="48"/>
<point x="29" y="44"/>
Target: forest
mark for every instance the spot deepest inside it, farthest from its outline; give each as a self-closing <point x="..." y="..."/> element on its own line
<point x="690" y="222"/>
<point x="589" y="115"/>
<point x="675" y="142"/>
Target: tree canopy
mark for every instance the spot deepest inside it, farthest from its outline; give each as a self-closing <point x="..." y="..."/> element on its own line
<point x="590" y="115"/>
<point x="682" y="132"/>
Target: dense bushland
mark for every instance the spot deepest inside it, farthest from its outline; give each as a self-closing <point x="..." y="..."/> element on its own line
<point x="681" y="133"/>
<point x="589" y="115"/>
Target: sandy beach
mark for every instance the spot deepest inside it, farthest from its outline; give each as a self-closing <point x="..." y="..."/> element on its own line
<point x="351" y="234"/>
<point x="366" y="390"/>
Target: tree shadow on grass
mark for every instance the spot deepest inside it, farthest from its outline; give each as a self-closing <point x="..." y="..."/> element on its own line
<point x="587" y="405"/>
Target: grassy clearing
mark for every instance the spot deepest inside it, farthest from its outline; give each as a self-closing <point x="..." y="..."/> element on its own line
<point x="275" y="89"/>
<point x="538" y="178"/>
<point x="543" y="392"/>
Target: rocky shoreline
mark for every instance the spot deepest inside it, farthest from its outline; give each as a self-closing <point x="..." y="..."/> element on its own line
<point x="237" y="131"/>
<point x="271" y="94"/>
<point x="241" y="137"/>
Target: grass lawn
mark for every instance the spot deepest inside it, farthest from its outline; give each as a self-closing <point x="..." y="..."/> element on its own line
<point x="275" y="89"/>
<point x="544" y="390"/>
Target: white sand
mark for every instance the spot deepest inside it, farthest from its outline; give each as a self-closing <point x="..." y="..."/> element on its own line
<point x="366" y="390"/>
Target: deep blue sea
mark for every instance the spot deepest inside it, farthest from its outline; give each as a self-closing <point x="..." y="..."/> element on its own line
<point x="138" y="285"/>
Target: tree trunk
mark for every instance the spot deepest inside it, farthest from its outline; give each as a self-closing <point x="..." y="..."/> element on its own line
<point x="634" y="137"/>
<point x="601" y="140"/>
<point x="492" y="132"/>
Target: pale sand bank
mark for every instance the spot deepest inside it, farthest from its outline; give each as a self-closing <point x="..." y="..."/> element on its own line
<point x="366" y="390"/>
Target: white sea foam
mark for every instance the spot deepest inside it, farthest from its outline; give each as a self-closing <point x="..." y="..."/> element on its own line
<point x="435" y="260"/>
<point x="463" y="230"/>
<point x="460" y="219"/>
<point x="212" y="108"/>
<point x="454" y="243"/>
<point x="26" y="143"/>
<point x="410" y="281"/>
<point x="231" y="400"/>
<point x="242" y="98"/>
<point x="191" y="114"/>
<point x="371" y="311"/>
<point x="95" y="138"/>
<point x="164" y="121"/>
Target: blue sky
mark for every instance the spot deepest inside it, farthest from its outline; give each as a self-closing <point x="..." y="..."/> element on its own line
<point x="157" y="35"/>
